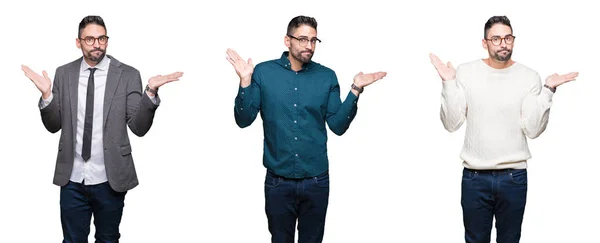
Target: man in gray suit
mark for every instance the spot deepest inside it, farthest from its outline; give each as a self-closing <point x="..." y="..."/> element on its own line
<point x="93" y="100"/>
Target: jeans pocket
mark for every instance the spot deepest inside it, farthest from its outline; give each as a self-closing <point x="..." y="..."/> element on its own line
<point x="271" y="180"/>
<point x="518" y="177"/>
<point x="468" y="175"/>
<point x="322" y="180"/>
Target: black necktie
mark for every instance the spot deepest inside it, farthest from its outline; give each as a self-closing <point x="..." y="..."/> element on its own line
<point x="86" y="149"/>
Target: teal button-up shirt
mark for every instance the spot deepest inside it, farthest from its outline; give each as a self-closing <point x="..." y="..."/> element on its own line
<point x="294" y="107"/>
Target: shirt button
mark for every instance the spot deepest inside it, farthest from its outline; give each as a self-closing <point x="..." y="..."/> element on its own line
<point x="295" y="122"/>
<point x="348" y="117"/>
<point x="295" y="88"/>
<point x="294" y="104"/>
<point x="296" y="155"/>
<point x="242" y="92"/>
<point x="295" y="138"/>
<point x="241" y="109"/>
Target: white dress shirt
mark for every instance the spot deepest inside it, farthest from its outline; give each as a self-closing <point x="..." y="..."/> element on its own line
<point x="93" y="171"/>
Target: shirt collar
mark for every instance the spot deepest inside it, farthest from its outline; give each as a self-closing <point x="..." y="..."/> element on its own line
<point x="102" y="65"/>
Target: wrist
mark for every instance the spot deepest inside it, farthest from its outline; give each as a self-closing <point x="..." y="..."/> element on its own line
<point x="151" y="90"/>
<point x="551" y="88"/>
<point x="245" y="82"/>
<point x="357" y="88"/>
<point x="46" y="95"/>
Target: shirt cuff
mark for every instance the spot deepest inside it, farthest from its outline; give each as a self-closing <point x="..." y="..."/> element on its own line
<point x="45" y="102"/>
<point x="154" y="99"/>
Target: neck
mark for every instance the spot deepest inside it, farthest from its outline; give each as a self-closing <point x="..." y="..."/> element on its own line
<point x="296" y="64"/>
<point x="498" y="64"/>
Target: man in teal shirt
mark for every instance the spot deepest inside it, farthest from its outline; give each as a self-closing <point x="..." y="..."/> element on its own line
<point x="296" y="97"/>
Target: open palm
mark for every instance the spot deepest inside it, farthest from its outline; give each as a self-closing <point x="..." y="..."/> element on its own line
<point x="42" y="83"/>
<point x="556" y="80"/>
<point x="446" y="71"/>
<point x="243" y="69"/>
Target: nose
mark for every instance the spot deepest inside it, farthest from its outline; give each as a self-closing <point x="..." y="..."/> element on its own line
<point x="96" y="43"/>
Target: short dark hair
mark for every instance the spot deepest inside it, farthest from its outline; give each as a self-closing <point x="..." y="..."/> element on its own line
<point x="90" y="19"/>
<point x="301" y="20"/>
<point x="495" y="20"/>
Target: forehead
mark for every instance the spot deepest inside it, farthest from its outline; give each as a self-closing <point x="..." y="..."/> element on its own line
<point x="499" y="30"/>
<point x="305" y="30"/>
<point x="93" y="30"/>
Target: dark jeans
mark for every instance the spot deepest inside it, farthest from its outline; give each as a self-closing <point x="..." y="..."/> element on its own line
<point x="288" y="200"/>
<point x="489" y="193"/>
<point x="77" y="204"/>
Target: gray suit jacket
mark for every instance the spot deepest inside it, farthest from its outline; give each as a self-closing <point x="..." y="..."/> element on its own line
<point x="124" y="105"/>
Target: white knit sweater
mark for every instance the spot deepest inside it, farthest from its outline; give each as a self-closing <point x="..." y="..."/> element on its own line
<point x="502" y="108"/>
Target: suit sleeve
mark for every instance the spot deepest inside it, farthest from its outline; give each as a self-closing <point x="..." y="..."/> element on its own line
<point x="140" y="109"/>
<point x="50" y="112"/>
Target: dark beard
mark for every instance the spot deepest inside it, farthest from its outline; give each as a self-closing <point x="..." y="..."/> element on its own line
<point x="94" y="58"/>
<point x="301" y="58"/>
<point x="497" y="57"/>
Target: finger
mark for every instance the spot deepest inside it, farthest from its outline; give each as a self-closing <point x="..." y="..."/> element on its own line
<point x="231" y="53"/>
<point x="250" y="61"/>
<point x="45" y="74"/>
<point x="450" y="65"/>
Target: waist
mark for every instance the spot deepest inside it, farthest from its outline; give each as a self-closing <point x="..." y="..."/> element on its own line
<point x="494" y="171"/>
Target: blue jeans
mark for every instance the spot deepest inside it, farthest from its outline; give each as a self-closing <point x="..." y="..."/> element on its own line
<point x="288" y="200"/>
<point x="489" y="193"/>
<point x="77" y="204"/>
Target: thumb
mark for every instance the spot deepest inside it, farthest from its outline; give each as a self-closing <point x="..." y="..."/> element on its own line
<point x="450" y="65"/>
<point x="45" y="74"/>
<point x="250" y="61"/>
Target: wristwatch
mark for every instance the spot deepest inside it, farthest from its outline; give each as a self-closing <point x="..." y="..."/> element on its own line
<point x="550" y="88"/>
<point x="360" y="90"/>
<point x="151" y="90"/>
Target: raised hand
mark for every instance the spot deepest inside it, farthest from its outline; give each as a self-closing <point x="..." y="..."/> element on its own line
<point x="446" y="71"/>
<point x="243" y="69"/>
<point x="42" y="83"/>
<point x="362" y="80"/>
<point x="159" y="80"/>
<point x="556" y="80"/>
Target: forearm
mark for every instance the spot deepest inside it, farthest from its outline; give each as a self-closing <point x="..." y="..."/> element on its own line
<point x="247" y="104"/>
<point x="50" y="111"/>
<point x="454" y="105"/>
<point x="535" y="112"/>
<point x="341" y="117"/>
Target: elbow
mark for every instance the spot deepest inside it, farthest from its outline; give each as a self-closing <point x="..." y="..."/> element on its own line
<point x="53" y="129"/>
<point x="338" y="131"/>
<point x="139" y="132"/>
<point x="241" y="124"/>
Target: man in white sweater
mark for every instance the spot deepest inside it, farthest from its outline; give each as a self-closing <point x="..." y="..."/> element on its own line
<point x="503" y="103"/>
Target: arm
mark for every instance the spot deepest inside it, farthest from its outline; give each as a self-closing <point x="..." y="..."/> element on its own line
<point x="48" y="104"/>
<point x="454" y="105"/>
<point x="140" y="109"/>
<point x="50" y="107"/>
<point x="247" y="102"/>
<point x="340" y="115"/>
<point x="535" y="110"/>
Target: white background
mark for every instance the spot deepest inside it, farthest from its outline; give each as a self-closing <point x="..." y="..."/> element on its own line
<point x="395" y="175"/>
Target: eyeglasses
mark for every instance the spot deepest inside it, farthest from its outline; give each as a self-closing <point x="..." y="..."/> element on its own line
<point x="90" y="40"/>
<point x="496" y="40"/>
<point x="304" y="41"/>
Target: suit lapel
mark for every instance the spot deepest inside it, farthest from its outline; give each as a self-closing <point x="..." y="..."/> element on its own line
<point x="112" y="82"/>
<point x="74" y="70"/>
